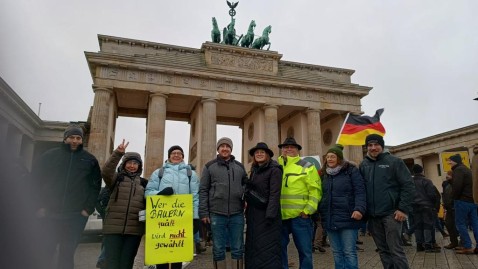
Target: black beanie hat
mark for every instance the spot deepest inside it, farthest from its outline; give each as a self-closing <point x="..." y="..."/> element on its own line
<point x="417" y="169"/>
<point x="73" y="130"/>
<point x="337" y="149"/>
<point x="456" y="158"/>
<point x="173" y="148"/>
<point x="375" y="138"/>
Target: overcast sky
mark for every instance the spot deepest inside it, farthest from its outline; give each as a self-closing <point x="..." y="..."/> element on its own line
<point x="420" y="57"/>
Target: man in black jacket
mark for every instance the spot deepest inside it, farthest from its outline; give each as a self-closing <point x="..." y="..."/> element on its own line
<point x="424" y="212"/>
<point x="67" y="181"/>
<point x="390" y="192"/>
<point x="465" y="207"/>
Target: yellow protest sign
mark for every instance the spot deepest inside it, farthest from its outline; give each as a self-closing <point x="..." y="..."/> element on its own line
<point x="444" y="156"/>
<point x="169" y="229"/>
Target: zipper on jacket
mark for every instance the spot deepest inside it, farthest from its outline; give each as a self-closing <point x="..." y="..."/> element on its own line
<point x="229" y="196"/>
<point x="67" y="182"/>
<point x="129" y="202"/>
<point x="373" y="188"/>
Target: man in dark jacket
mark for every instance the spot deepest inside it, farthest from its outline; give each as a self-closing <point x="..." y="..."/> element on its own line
<point x="221" y="204"/>
<point x="67" y="180"/>
<point x="450" y="211"/>
<point x="465" y="207"/>
<point x="390" y="192"/>
<point x="424" y="212"/>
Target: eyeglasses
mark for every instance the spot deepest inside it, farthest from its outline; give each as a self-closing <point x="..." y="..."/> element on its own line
<point x="176" y="153"/>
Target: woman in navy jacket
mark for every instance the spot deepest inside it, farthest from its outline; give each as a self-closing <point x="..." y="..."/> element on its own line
<point x="342" y="207"/>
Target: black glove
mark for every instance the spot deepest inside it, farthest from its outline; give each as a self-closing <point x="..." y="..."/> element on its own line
<point x="196" y="223"/>
<point x="166" y="191"/>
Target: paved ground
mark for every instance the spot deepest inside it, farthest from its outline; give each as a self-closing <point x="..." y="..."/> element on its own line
<point x="88" y="252"/>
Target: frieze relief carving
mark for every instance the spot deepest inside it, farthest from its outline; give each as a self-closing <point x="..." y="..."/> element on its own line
<point x="242" y="62"/>
<point x="233" y="87"/>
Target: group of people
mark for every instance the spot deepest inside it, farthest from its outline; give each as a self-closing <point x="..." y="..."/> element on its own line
<point x="274" y="202"/>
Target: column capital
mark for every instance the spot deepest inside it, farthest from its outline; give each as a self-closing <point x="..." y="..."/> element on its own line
<point x="313" y="110"/>
<point x="271" y="106"/>
<point x="160" y="94"/>
<point x="207" y="99"/>
<point x="101" y="88"/>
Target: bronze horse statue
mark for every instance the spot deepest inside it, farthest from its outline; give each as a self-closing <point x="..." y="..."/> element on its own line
<point x="260" y="42"/>
<point x="229" y="34"/>
<point x="249" y="37"/>
<point x="215" y="33"/>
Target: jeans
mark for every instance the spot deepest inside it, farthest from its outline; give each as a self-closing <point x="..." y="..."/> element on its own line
<point x="466" y="212"/>
<point x="226" y="228"/>
<point x="121" y="250"/>
<point x="386" y="233"/>
<point x="301" y="229"/>
<point x="343" y="247"/>
<point x="65" y="231"/>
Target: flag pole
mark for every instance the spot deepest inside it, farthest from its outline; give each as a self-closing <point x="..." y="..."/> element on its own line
<point x="341" y="128"/>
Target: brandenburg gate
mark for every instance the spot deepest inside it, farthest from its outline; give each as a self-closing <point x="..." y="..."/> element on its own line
<point x="270" y="99"/>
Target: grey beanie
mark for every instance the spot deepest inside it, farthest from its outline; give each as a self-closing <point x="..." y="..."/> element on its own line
<point x="73" y="130"/>
<point x="224" y="140"/>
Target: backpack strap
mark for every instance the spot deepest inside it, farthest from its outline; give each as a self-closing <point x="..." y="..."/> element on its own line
<point x="189" y="173"/>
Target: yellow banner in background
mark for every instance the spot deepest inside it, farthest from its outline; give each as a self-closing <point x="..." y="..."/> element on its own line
<point x="169" y="229"/>
<point x="444" y="156"/>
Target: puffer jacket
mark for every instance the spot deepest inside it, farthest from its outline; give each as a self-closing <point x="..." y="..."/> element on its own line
<point x="426" y="194"/>
<point x="176" y="177"/>
<point x="222" y="188"/>
<point x="343" y="194"/>
<point x="127" y="197"/>
<point x="389" y="185"/>
<point x="301" y="187"/>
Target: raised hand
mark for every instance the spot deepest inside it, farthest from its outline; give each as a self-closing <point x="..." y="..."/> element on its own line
<point x="122" y="147"/>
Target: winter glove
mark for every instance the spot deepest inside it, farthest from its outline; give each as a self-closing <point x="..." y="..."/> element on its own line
<point x="196" y="223"/>
<point x="166" y="191"/>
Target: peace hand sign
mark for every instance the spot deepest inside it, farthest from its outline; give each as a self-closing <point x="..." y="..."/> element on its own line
<point x="122" y="147"/>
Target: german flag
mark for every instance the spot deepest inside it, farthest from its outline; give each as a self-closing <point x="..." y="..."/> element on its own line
<point x="356" y="128"/>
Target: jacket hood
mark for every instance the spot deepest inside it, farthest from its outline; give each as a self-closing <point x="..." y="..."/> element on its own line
<point x="132" y="156"/>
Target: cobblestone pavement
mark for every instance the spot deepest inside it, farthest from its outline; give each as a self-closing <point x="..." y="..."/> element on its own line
<point x="88" y="251"/>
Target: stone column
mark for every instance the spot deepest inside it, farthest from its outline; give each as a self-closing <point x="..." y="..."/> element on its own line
<point x="418" y="160"/>
<point x="208" y="131"/>
<point x="14" y="141"/>
<point x="314" y="132"/>
<point x="355" y="154"/>
<point x="98" y="141"/>
<point x="271" y="128"/>
<point x="156" y="124"/>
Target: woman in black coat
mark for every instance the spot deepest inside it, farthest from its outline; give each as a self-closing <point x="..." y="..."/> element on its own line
<point x="263" y="218"/>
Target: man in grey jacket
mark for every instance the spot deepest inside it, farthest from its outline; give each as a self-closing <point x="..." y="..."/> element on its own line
<point x="221" y="204"/>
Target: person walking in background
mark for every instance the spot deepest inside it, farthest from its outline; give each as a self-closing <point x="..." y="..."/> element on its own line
<point x="450" y="211"/>
<point x="342" y="206"/>
<point x="122" y="229"/>
<point x="465" y="207"/>
<point x="221" y="203"/>
<point x="300" y="195"/>
<point x="474" y="173"/>
<point x="390" y="193"/>
<point x="67" y="181"/>
<point x="264" y="224"/>
<point x="175" y="177"/>
<point x="424" y="211"/>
